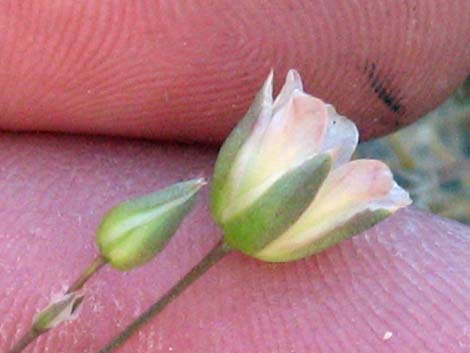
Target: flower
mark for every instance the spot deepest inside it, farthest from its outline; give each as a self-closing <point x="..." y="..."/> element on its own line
<point x="133" y="232"/>
<point x="283" y="185"/>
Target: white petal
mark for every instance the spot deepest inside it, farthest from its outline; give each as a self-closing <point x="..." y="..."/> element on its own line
<point x="353" y="188"/>
<point x="244" y="156"/>
<point x="341" y="137"/>
<point x="267" y="91"/>
<point x="396" y="198"/>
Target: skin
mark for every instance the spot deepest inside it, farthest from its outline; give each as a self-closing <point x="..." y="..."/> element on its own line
<point x="188" y="74"/>
<point x="407" y="275"/>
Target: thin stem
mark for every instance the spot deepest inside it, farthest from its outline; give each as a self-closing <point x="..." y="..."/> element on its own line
<point x="25" y="340"/>
<point x="33" y="333"/>
<point x="217" y="253"/>
<point x="93" y="268"/>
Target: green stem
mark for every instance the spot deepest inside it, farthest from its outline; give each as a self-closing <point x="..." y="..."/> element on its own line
<point x="25" y="340"/>
<point x="217" y="253"/>
<point x="93" y="268"/>
<point x="33" y="332"/>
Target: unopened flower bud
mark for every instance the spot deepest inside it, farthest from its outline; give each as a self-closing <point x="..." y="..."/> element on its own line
<point x="133" y="232"/>
<point x="59" y="311"/>
<point x="283" y="185"/>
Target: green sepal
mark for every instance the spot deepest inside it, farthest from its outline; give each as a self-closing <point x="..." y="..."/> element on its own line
<point x="232" y="145"/>
<point x="353" y="226"/>
<point x="133" y="232"/>
<point x="278" y="208"/>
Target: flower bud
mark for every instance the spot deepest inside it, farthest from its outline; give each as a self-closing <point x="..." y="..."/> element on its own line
<point x="59" y="311"/>
<point x="283" y="185"/>
<point x="133" y="232"/>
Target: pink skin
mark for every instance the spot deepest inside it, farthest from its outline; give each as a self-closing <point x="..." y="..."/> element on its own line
<point x="149" y="69"/>
<point x="180" y="70"/>
<point x="407" y="275"/>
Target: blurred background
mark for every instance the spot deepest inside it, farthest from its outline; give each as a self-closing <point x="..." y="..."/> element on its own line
<point x="431" y="158"/>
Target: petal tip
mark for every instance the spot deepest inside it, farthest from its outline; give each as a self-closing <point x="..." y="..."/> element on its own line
<point x="292" y="83"/>
<point x="268" y="83"/>
<point x="266" y="92"/>
<point x="400" y="197"/>
<point x="294" y="80"/>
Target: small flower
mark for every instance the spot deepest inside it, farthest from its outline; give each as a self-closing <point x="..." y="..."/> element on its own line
<point x="283" y="185"/>
<point x="133" y="232"/>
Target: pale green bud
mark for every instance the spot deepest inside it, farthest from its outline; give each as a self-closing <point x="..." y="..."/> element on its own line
<point x="133" y="232"/>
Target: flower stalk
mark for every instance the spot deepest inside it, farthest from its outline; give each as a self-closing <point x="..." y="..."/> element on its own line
<point x="214" y="256"/>
<point x="53" y="318"/>
<point x="25" y="340"/>
<point x="89" y="272"/>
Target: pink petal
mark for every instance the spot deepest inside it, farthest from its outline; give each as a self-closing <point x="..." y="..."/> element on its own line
<point x="351" y="189"/>
<point x="294" y="134"/>
<point x="356" y="186"/>
<point x="297" y="130"/>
